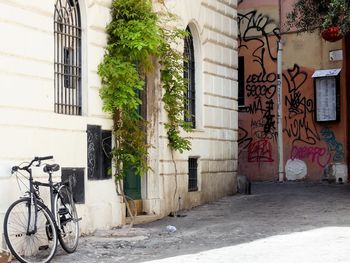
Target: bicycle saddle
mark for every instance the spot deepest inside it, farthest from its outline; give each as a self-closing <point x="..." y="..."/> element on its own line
<point x="48" y="168"/>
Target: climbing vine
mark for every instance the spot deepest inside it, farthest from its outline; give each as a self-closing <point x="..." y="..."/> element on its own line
<point x="175" y="86"/>
<point x="136" y="35"/>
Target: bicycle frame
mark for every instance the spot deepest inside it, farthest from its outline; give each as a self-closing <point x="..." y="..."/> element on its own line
<point x="34" y="196"/>
<point x="33" y="203"/>
<point x="33" y="200"/>
<point x="58" y="217"/>
<point x="54" y="195"/>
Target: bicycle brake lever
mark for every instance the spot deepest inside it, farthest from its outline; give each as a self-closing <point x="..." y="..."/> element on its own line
<point x="14" y="169"/>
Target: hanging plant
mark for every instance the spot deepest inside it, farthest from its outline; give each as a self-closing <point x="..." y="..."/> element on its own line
<point x="331" y="17"/>
<point x="332" y="34"/>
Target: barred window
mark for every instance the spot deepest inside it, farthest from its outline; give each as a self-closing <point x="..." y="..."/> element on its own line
<point x="189" y="75"/>
<point x="192" y="174"/>
<point x="67" y="30"/>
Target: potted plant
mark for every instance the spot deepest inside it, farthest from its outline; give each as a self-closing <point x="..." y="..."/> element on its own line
<point x="332" y="33"/>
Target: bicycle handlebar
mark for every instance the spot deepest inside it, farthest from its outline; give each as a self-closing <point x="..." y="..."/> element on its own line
<point x="36" y="159"/>
<point x="42" y="158"/>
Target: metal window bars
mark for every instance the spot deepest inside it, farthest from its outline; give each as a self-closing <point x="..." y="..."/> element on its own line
<point x="189" y="75"/>
<point x="192" y="174"/>
<point x="67" y="31"/>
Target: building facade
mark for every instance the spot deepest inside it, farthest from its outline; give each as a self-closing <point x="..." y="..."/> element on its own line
<point x="50" y="105"/>
<point x="314" y="111"/>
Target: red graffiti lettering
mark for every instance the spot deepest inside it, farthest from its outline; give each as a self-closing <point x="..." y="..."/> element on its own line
<point x="317" y="154"/>
<point x="260" y="152"/>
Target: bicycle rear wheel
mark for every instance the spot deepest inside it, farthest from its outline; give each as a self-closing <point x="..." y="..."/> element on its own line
<point x="67" y="219"/>
<point x="37" y="247"/>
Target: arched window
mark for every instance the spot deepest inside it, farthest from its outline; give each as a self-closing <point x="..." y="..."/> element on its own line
<point x="67" y="29"/>
<point x="189" y="75"/>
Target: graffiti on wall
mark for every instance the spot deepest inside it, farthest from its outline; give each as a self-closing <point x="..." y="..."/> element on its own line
<point x="333" y="145"/>
<point x="258" y="37"/>
<point x="260" y="151"/>
<point x="322" y="156"/>
<point x="258" y="28"/>
<point x="299" y="124"/>
<point x="317" y="155"/>
<point x="255" y="31"/>
<point x="244" y="139"/>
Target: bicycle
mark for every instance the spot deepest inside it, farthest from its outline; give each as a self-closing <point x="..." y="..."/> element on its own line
<point x="31" y="229"/>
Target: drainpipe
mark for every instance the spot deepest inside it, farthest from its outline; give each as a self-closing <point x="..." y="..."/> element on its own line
<point x="279" y="113"/>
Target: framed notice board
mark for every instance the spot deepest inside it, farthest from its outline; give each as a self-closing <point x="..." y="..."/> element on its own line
<point x="327" y="98"/>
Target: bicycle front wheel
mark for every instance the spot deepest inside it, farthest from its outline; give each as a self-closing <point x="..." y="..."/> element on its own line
<point x="37" y="246"/>
<point x="67" y="219"/>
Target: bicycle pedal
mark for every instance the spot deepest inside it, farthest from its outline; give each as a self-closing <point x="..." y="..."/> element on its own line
<point x="63" y="211"/>
<point x="64" y="220"/>
<point x="43" y="247"/>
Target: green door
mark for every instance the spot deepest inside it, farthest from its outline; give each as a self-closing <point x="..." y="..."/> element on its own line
<point x="132" y="185"/>
<point x="132" y="182"/>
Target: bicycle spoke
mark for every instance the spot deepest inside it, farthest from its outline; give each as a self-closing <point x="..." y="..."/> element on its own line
<point x="29" y="228"/>
<point x="69" y="228"/>
<point x="37" y="246"/>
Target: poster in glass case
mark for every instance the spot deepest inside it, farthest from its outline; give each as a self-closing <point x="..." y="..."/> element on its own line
<point x="326" y="99"/>
<point x="327" y="95"/>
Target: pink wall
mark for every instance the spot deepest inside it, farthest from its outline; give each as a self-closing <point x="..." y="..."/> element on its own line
<point x="244" y="4"/>
<point x="286" y="7"/>
<point x="316" y="144"/>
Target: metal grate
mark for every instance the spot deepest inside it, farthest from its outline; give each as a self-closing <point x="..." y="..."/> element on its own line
<point x="189" y="75"/>
<point x="67" y="30"/>
<point x="99" y="153"/>
<point x="192" y="174"/>
<point x="79" y="186"/>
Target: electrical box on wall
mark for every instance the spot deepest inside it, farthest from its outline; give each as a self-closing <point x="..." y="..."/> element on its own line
<point x="327" y="97"/>
<point x="340" y="172"/>
<point x="336" y="55"/>
<point x="78" y="182"/>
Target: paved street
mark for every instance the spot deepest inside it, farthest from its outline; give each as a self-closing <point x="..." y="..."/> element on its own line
<point x="279" y="222"/>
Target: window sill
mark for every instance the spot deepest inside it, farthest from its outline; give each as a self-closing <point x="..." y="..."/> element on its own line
<point x="198" y="129"/>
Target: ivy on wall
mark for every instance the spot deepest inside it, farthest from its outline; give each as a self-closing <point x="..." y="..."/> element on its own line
<point x="137" y="35"/>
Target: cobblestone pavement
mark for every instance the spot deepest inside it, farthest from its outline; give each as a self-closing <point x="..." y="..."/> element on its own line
<point x="275" y="214"/>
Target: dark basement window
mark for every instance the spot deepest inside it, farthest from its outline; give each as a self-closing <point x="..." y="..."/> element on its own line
<point x="192" y="174"/>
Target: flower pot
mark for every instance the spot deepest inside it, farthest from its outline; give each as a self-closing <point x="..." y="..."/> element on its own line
<point x="332" y="34"/>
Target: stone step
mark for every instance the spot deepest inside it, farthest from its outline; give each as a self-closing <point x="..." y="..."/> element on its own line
<point x="142" y="219"/>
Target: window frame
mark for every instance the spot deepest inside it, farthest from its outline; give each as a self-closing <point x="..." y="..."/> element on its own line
<point x="67" y="65"/>
<point x="190" y="77"/>
<point x="193" y="174"/>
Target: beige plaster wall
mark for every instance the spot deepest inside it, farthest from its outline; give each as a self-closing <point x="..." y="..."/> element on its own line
<point x="28" y="125"/>
<point x="214" y="141"/>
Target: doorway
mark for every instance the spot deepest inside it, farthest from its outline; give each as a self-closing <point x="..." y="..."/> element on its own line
<point x="132" y="181"/>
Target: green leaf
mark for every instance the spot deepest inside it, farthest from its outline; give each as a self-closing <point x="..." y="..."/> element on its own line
<point x="136" y="34"/>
